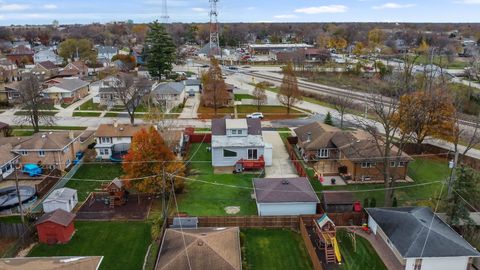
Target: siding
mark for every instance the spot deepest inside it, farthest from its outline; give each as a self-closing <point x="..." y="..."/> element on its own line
<point x="242" y="152"/>
<point x="286" y="209"/>
<point x="443" y="263"/>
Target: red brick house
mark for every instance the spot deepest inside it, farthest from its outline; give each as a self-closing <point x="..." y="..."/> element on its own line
<point x="21" y="55"/>
<point x="55" y="227"/>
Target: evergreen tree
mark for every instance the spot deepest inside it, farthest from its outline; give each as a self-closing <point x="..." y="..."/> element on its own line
<point x="466" y="187"/>
<point x="159" y="51"/>
<point x="328" y="119"/>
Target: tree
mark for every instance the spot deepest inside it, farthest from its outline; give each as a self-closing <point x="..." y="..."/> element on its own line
<point x="215" y="92"/>
<point x="131" y="91"/>
<point x="259" y="94"/>
<point x="31" y="95"/>
<point x="149" y="157"/>
<point x="159" y="51"/>
<point x="71" y="48"/>
<point x="376" y="37"/>
<point x="328" y="119"/>
<point x="289" y="94"/>
<point x="341" y="104"/>
<point x="467" y="185"/>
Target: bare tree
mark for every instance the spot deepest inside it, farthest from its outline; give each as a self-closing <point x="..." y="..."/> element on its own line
<point x="32" y="98"/>
<point x="131" y="91"/>
<point x="289" y="94"/>
<point x="259" y="94"/>
<point x="215" y="92"/>
<point x="341" y="104"/>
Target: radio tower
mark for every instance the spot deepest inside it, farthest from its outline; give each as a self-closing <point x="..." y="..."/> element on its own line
<point x="164" y="16"/>
<point x="214" y="36"/>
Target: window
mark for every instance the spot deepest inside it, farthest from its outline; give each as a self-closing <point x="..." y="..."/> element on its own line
<point x="23" y="153"/>
<point x="240" y="132"/>
<point x="368" y="164"/>
<point x="418" y="264"/>
<point x="392" y="164"/>
<point x="234" y="131"/>
<point x="401" y="164"/>
<point x="67" y="163"/>
<point x="323" y="153"/>
<point x="252" y="154"/>
<point x="228" y="153"/>
<point x="41" y="153"/>
<point x="105" y="139"/>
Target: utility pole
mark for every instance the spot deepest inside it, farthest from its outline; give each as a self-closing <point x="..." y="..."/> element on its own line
<point x="453" y="173"/>
<point x="20" y="206"/>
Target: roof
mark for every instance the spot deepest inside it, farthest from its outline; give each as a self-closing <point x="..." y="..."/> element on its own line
<point x="61" y="194"/>
<point x="320" y="135"/>
<point x="51" y="263"/>
<point x="207" y="248"/>
<point x="107" y="49"/>
<point x="21" y="50"/>
<point x="276" y="46"/>
<point x="169" y="88"/>
<point x="6" y="153"/>
<point x="238" y="141"/>
<point x="79" y="65"/>
<point x="3" y="125"/>
<point x="219" y="126"/>
<point x="58" y="216"/>
<point x="407" y="229"/>
<point x="53" y="140"/>
<point x="119" y="130"/>
<point x="68" y="84"/>
<point x="236" y="124"/>
<point x="337" y="197"/>
<point x="192" y="82"/>
<point x="47" y="65"/>
<point x="283" y="190"/>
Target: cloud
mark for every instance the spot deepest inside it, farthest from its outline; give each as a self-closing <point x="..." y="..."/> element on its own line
<point x="285" y="16"/>
<point x="199" y="10"/>
<point x="393" y="6"/>
<point x="13" y="7"/>
<point x="322" y="9"/>
<point x="50" y="6"/>
<point x="468" y="2"/>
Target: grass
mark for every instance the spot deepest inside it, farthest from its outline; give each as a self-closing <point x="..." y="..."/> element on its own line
<point x="10" y="219"/>
<point x="107" y="172"/>
<point x="278" y="249"/>
<point x="90" y="106"/>
<point x="87" y="114"/>
<point x="47" y="107"/>
<point x="111" y="114"/>
<point x="365" y="256"/>
<point x="203" y="199"/>
<point x="65" y="105"/>
<point x="441" y="60"/>
<point x="22" y="132"/>
<point x="123" y="244"/>
<point x="141" y="108"/>
<point x="239" y="97"/>
<point x="47" y="113"/>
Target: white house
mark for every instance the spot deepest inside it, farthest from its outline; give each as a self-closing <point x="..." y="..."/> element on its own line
<point x="105" y="53"/>
<point x="8" y="159"/>
<point x="168" y="94"/>
<point x="420" y="240"/>
<point x="47" y="55"/>
<point x="192" y="86"/>
<point x="284" y="196"/>
<point x="62" y="198"/>
<point x="235" y="139"/>
<point x="114" y="140"/>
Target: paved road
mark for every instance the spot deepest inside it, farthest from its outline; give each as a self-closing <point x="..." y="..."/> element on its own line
<point x="281" y="164"/>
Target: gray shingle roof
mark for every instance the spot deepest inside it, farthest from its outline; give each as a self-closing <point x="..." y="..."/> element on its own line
<point x="283" y="190"/>
<point x="219" y="126"/>
<point x="169" y="88"/>
<point x="192" y="82"/>
<point x="320" y="136"/>
<point x="61" y="194"/>
<point x="70" y="84"/>
<point x="58" y="216"/>
<point x="407" y="228"/>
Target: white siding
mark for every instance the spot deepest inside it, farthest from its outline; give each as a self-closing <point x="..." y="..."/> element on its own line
<point x="67" y="205"/>
<point x="192" y="88"/>
<point x="372" y="225"/>
<point x="281" y="209"/>
<point x="218" y="160"/>
<point x="443" y="263"/>
<point x="268" y="155"/>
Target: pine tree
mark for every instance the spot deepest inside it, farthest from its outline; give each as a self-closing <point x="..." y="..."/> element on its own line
<point x="159" y="51"/>
<point x="328" y="119"/>
<point x="465" y="187"/>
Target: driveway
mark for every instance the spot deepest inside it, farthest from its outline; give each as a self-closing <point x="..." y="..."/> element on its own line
<point x="191" y="107"/>
<point x="281" y="164"/>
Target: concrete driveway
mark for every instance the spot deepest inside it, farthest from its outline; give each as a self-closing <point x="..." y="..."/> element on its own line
<point x="281" y="164"/>
<point x="191" y="107"/>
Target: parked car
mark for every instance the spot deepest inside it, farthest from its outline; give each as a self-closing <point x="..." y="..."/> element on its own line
<point x="255" y="115"/>
<point x="232" y="68"/>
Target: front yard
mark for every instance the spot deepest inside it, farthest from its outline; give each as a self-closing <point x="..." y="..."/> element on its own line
<point x="265" y="249"/>
<point x="211" y="198"/>
<point x="123" y="244"/>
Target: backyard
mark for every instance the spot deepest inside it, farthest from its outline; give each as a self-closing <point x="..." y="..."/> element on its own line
<point x="210" y="199"/>
<point x="123" y="244"/>
<point x="265" y="249"/>
<point x="360" y="257"/>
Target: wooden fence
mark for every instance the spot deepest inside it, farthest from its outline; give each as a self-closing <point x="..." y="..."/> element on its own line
<point x="296" y="163"/>
<point x="317" y="265"/>
<point x="23" y="234"/>
<point x="12" y="230"/>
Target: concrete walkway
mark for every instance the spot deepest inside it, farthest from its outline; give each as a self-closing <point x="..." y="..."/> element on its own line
<point x="281" y="164"/>
<point x="191" y="107"/>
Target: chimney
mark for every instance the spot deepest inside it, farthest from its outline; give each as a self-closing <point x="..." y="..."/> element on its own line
<point x="309" y="136"/>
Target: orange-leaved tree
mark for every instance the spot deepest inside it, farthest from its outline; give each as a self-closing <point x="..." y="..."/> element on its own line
<point x="149" y="157"/>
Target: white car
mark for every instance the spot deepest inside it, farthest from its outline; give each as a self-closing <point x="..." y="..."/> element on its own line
<point x="255" y="115"/>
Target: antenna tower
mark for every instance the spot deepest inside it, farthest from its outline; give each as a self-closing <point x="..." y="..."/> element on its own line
<point x="164" y="16"/>
<point x="214" y="35"/>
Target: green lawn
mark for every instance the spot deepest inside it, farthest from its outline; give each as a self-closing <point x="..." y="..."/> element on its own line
<point x="87" y="114"/>
<point x="10" y="219"/>
<point x="48" y="107"/>
<point x="22" y="132"/>
<point x="107" y="172"/>
<point x="239" y="97"/>
<point x="123" y="244"/>
<point x="47" y="113"/>
<point x="111" y="114"/>
<point x="265" y="249"/>
<point x="203" y="199"/>
<point x="365" y="256"/>
<point x="90" y="106"/>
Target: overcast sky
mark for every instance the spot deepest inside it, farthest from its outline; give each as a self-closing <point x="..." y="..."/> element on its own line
<point x="87" y="11"/>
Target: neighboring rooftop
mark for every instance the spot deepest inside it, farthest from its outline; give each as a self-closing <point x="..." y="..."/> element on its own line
<point x="119" y="130"/>
<point x="51" y="263"/>
<point x="58" y="216"/>
<point x="6" y="153"/>
<point x="279" y="190"/>
<point x="416" y="232"/>
<point x="219" y="126"/>
<point x="192" y="82"/>
<point x="61" y="194"/>
<point x="169" y="88"/>
<point x="47" y="65"/>
<point x="236" y="124"/>
<point x="53" y="140"/>
<point x="68" y="84"/>
<point x="316" y="135"/>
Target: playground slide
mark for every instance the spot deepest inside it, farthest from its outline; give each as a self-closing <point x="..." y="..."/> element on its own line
<point x="336" y="248"/>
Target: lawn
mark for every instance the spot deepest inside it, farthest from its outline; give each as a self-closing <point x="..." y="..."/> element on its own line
<point x="123" y="244"/>
<point x="22" y="132"/>
<point x="204" y="199"/>
<point x="270" y="112"/>
<point x="208" y="112"/>
<point x="365" y="256"/>
<point x="46" y="113"/>
<point x="265" y="249"/>
<point x="239" y="97"/>
<point x="107" y="172"/>
<point x="87" y="114"/>
<point x="90" y="106"/>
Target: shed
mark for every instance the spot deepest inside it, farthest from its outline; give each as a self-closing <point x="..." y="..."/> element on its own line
<point x="337" y="201"/>
<point x="55" y="227"/>
<point x="62" y="198"/>
<point x="285" y="196"/>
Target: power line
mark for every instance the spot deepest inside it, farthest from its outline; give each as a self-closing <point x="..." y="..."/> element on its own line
<point x="181" y="226"/>
<point x="431" y="221"/>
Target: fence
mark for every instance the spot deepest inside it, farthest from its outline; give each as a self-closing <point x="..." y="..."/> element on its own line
<point x="12" y="230"/>
<point x="23" y="233"/>
<point x="51" y="180"/>
<point x="296" y="163"/>
<point x="317" y="265"/>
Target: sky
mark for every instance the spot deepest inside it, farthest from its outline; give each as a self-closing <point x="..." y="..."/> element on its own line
<point x="87" y="11"/>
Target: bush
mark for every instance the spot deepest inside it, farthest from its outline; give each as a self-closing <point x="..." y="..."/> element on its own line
<point x="328" y="119"/>
<point x="395" y="202"/>
<point x="373" y="203"/>
<point x="365" y="202"/>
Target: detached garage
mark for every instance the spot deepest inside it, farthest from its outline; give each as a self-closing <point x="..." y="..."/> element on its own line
<point x="284" y="196"/>
<point x="62" y="198"/>
<point x="55" y="227"/>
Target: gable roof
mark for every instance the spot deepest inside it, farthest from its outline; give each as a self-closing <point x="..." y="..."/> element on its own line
<point x="61" y="194"/>
<point x="68" y="84"/>
<point x="208" y="248"/>
<point x="408" y="228"/>
<point x="6" y="153"/>
<point x="219" y="126"/>
<point x="320" y="135"/>
<point x="78" y="65"/>
<point x="47" y="65"/>
<point x="48" y="140"/>
<point x="58" y="216"/>
<point x="278" y="190"/>
<point x="52" y="263"/>
<point x="169" y="88"/>
<point x="337" y="197"/>
<point x="119" y="130"/>
<point x="191" y="82"/>
<point x="21" y="50"/>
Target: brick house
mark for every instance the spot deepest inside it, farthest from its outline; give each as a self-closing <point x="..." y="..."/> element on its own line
<point x="46" y="69"/>
<point x="66" y="90"/>
<point x="77" y="68"/>
<point x="21" y="55"/>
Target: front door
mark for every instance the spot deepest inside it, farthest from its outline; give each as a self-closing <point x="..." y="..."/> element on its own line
<point x="252" y="154"/>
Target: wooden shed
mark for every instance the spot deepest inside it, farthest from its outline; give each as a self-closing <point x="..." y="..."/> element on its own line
<point x="55" y="227"/>
<point x="337" y="201"/>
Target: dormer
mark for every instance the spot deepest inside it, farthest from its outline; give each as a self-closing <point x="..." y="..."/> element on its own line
<point x="236" y="127"/>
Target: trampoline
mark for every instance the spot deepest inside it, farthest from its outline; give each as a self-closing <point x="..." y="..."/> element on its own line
<point x="9" y="198"/>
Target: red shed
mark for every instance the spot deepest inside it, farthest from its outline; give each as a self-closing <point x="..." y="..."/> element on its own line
<point x="55" y="227"/>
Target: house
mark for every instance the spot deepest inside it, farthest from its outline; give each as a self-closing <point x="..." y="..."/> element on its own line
<point x="168" y="94"/>
<point x="62" y="198"/>
<point x="8" y="160"/>
<point x="337" y="201"/>
<point x="52" y="263"/>
<point x="77" y="68"/>
<point x="21" y="55"/>
<point x="55" y="150"/>
<point x="352" y="154"/>
<point x="207" y="248"/>
<point x="5" y="129"/>
<point x="235" y="139"/>
<point x="11" y="93"/>
<point x="47" y="54"/>
<point x="105" y="53"/>
<point x="8" y="70"/>
<point x="47" y="69"/>
<point x="55" y="227"/>
<point x="268" y="48"/>
<point x="192" y="86"/>
<point x="66" y="90"/>
<point x="284" y="196"/>
<point x="115" y="139"/>
<point x="419" y="239"/>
